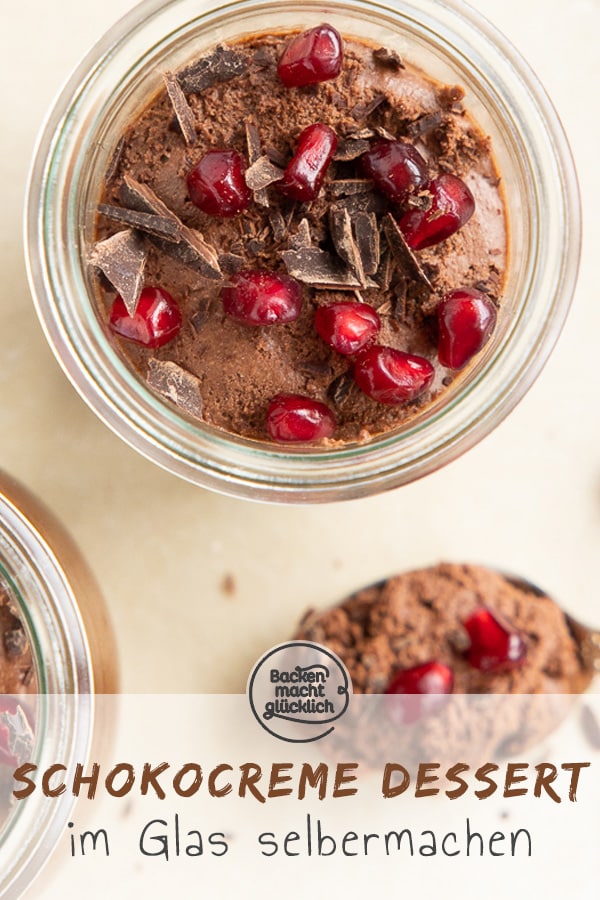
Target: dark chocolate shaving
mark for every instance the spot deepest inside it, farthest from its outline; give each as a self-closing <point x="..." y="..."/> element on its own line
<point x="139" y="196"/>
<point x="425" y="124"/>
<point x="122" y="259"/>
<point x="230" y="263"/>
<point x="277" y="158"/>
<point x="181" y="108"/>
<point x="320" y="269"/>
<point x="278" y="226"/>
<point x="161" y="226"/>
<point x="302" y="238"/>
<point x="369" y="201"/>
<point x="351" y="149"/>
<point x="347" y="186"/>
<point x="176" y="384"/>
<point x="384" y="133"/>
<point x="402" y="252"/>
<point x="364" y="110"/>
<point x="339" y="389"/>
<point x="15" y="642"/>
<point x="366" y="234"/>
<point x="262" y="173"/>
<point x="385" y="272"/>
<point x="388" y="58"/>
<point x="340" y="226"/>
<point x="218" y="67"/>
<point x="254" y="154"/>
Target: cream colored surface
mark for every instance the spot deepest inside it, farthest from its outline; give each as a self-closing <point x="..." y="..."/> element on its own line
<point x="527" y="499"/>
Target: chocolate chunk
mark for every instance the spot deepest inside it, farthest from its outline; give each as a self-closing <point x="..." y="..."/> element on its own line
<point x="364" y="110"/>
<point x="402" y="252"/>
<point x="218" y="67"/>
<point x="366" y="234"/>
<point x="122" y="259"/>
<point x="425" y="124"/>
<point x="387" y="265"/>
<point x="140" y="196"/>
<point x="345" y="187"/>
<point x="254" y="154"/>
<point x="369" y="201"/>
<point x="388" y="58"/>
<point x="351" y="149"/>
<point x="384" y="133"/>
<point x="14" y="642"/>
<point x="161" y="226"/>
<point x="277" y="223"/>
<point x="343" y="240"/>
<point x="182" y="109"/>
<point x="255" y="247"/>
<point x="230" y="263"/>
<point x="180" y="387"/>
<point x="276" y="157"/>
<point x="320" y="269"/>
<point x="302" y="238"/>
<point x="262" y="173"/>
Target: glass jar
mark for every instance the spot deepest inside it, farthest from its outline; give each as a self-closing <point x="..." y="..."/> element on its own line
<point x="58" y="603"/>
<point x="448" y="41"/>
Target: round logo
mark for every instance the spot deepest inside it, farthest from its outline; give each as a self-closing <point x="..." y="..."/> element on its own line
<point x="297" y="690"/>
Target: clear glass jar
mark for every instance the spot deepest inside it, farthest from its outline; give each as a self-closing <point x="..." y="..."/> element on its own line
<point x="447" y="40"/>
<point x="74" y="659"/>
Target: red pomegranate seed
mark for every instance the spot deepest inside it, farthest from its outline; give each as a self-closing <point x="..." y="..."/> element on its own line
<point x="304" y="175"/>
<point x="261" y="297"/>
<point x="452" y="205"/>
<point x="466" y="319"/>
<point x="432" y="681"/>
<point x="392" y="376"/>
<point x="348" y="326"/>
<point x="494" y="644"/>
<point x="396" y="167"/>
<point x="311" y="57"/>
<point x="294" y="418"/>
<point x="156" y="320"/>
<point x="217" y="186"/>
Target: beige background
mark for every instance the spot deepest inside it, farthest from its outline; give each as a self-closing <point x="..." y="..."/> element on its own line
<point x="527" y="499"/>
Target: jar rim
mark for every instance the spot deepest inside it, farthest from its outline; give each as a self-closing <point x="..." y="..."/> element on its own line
<point x="252" y="469"/>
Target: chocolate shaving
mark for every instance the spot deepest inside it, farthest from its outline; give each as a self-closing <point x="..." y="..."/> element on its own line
<point x="161" y="226"/>
<point x="181" y="108"/>
<point x="15" y="642"/>
<point x="388" y="58"/>
<point x="386" y="270"/>
<point x="402" y="252"/>
<point x="360" y="134"/>
<point x="369" y="201"/>
<point x="339" y="389"/>
<point x="343" y="240"/>
<point x="364" y="110"/>
<point x="255" y="247"/>
<point x="115" y="160"/>
<point x="218" y="67"/>
<point x="192" y="250"/>
<point x="277" y="223"/>
<point x="366" y="234"/>
<point x="347" y="186"/>
<point x="277" y="158"/>
<point x="384" y="133"/>
<point x="176" y="384"/>
<point x="254" y="154"/>
<point x="351" y="149"/>
<point x="262" y="173"/>
<point x="202" y="315"/>
<point x="320" y="269"/>
<point x="122" y="259"/>
<point x="302" y="238"/>
<point x="230" y="263"/>
<point x="425" y="124"/>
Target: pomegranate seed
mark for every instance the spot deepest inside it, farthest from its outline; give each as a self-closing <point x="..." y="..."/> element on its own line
<point x="348" y="326"/>
<point x="431" y="680"/>
<point x="466" y="319"/>
<point x="217" y="185"/>
<point x="392" y="376"/>
<point x="452" y="205"/>
<point x="311" y="57"/>
<point x="304" y="175"/>
<point x="156" y="320"/>
<point x="494" y="644"/>
<point x="396" y="167"/>
<point x="294" y="418"/>
<point x="261" y="297"/>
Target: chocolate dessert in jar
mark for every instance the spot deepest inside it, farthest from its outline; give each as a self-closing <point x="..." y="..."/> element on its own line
<point x="57" y="653"/>
<point x="173" y="394"/>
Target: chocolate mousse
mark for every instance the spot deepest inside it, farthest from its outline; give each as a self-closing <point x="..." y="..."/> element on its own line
<point x="280" y="176"/>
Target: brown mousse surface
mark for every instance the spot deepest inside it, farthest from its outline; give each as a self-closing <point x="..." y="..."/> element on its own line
<point x="237" y="369"/>
<point x="417" y="617"/>
<point x="17" y="673"/>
